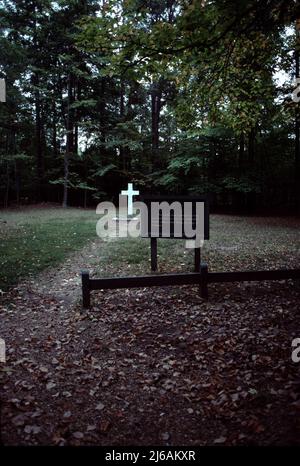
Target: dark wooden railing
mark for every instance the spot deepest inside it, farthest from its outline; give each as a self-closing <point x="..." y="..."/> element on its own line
<point x="202" y="278"/>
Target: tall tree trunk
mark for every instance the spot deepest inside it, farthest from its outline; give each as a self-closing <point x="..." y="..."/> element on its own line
<point x="156" y="95"/>
<point x="76" y="139"/>
<point x="54" y="128"/>
<point x="85" y="198"/>
<point x="38" y="121"/>
<point x="6" y="198"/>
<point x="241" y="151"/>
<point x="17" y="183"/>
<point x="251" y="141"/>
<point x="66" y="179"/>
<point x="38" y="137"/>
<point x="70" y="140"/>
<point x="251" y="196"/>
<point x="102" y="110"/>
<point x="77" y="96"/>
<point x="297" y="120"/>
<point x="238" y="196"/>
<point x="16" y="168"/>
<point x="122" y="115"/>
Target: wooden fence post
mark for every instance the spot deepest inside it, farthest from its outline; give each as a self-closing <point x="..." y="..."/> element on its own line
<point x="86" y="295"/>
<point x="197" y="259"/>
<point x="204" y="276"/>
<point x="153" y="254"/>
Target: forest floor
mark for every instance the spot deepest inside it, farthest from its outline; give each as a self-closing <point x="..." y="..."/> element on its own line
<point x="156" y="366"/>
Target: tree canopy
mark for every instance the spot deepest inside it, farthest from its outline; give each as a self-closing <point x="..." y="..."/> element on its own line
<point x="177" y="96"/>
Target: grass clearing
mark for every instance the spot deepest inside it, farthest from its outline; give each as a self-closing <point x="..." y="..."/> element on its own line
<point x="236" y="243"/>
<point x="34" y="239"/>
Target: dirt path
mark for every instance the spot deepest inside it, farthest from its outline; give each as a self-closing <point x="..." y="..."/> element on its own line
<point x="63" y="282"/>
<point x="148" y="366"/>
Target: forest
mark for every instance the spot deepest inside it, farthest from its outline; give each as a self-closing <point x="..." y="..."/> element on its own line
<point x="128" y="338"/>
<point x="176" y="96"/>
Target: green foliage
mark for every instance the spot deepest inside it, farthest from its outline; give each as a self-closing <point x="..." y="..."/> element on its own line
<point x="243" y="184"/>
<point x="177" y="96"/>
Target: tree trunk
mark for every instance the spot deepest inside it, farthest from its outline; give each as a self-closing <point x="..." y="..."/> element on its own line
<point x="297" y="122"/>
<point x="85" y="198"/>
<point x="70" y="140"/>
<point x="102" y="111"/>
<point x="16" y="168"/>
<point x="122" y="114"/>
<point x="155" y="114"/>
<point x="38" y="138"/>
<point x="66" y="179"/>
<point x="156" y="95"/>
<point x="7" y="185"/>
<point x="38" y="121"/>
<point x="241" y="151"/>
<point x="8" y="150"/>
<point x="77" y="116"/>
<point x="17" y="183"/>
<point x="251" y="141"/>
<point x="54" y="128"/>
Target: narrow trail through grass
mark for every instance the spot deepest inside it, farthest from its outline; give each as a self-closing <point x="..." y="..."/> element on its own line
<point x="34" y="239"/>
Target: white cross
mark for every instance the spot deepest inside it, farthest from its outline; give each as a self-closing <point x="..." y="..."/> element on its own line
<point x="130" y="193"/>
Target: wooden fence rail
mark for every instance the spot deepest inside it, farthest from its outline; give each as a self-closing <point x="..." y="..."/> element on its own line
<point x="201" y="278"/>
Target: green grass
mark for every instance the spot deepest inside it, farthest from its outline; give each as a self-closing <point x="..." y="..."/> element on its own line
<point x="34" y="239"/>
<point x="132" y="256"/>
<point x="236" y="243"/>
